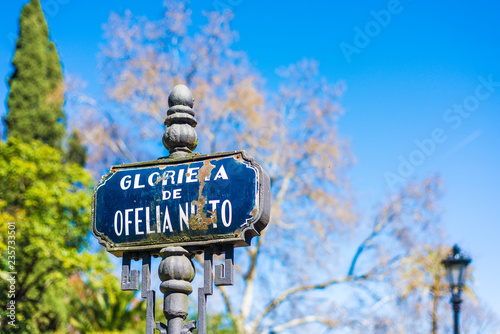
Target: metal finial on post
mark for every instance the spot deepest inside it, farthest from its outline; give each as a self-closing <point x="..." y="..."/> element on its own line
<point x="180" y="137"/>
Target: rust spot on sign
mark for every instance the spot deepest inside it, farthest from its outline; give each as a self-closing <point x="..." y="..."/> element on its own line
<point x="200" y="221"/>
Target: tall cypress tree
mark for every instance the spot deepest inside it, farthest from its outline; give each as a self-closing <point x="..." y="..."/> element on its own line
<point x="36" y="86"/>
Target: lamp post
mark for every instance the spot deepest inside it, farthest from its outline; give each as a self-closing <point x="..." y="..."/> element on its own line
<point x="456" y="266"/>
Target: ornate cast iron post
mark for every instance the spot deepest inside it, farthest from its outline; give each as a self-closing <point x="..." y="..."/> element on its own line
<point x="176" y="269"/>
<point x="176" y="272"/>
<point x="178" y="206"/>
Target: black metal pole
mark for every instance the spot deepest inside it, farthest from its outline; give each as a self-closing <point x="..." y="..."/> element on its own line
<point x="456" y="311"/>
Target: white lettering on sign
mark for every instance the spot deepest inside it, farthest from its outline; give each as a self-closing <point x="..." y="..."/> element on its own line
<point x="118" y="213"/>
<point x="140" y="216"/>
<point x="148" y="223"/>
<point x="141" y="220"/>
<point x="127" y="221"/>
<point x="125" y="182"/>
<point x="180" y="176"/>
<point x="138" y="221"/>
<point x="167" y="225"/>
<point x="166" y="195"/>
<point x="169" y="177"/>
<point x="136" y="182"/>
<point x="150" y="178"/>
<point x="214" y="203"/>
<point x="158" y="227"/>
<point x="221" y="173"/>
<point x="191" y="175"/>
<point x="225" y="221"/>
<point x="183" y="216"/>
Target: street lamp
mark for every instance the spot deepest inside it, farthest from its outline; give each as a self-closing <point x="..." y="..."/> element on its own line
<point x="456" y="266"/>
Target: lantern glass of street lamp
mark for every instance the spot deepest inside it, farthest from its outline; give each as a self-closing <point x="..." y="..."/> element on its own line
<point x="456" y="266"/>
<point x="456" y="275"/>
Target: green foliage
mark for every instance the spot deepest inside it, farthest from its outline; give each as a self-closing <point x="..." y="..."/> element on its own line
<point x="76" y="152"/>
<point x="59" y="286"/>
<point x="217" y="323"/>
<point x="49" y="202"/>
<point x="36" y="86"/>
<point x="98" y="305"/>
<point x="220" y="324"/>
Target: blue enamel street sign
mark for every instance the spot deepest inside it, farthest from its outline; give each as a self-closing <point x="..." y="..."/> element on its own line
<point x="206" y="199"/>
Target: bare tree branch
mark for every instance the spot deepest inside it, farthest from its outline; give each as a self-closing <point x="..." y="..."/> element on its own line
<point x="295" y="322"/>
<point x="285" y="295"/>
<point x="227" y="301"/>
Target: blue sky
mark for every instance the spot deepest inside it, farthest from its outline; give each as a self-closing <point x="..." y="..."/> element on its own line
<point x="409" y="72"/>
